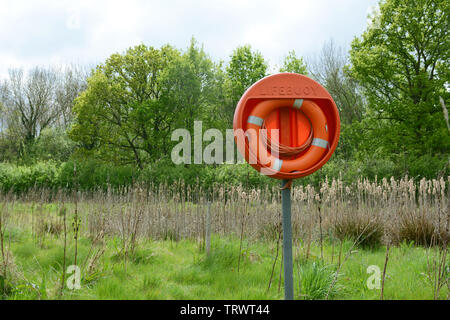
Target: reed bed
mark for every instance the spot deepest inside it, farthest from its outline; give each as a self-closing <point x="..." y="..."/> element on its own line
<point x="376" y="212"/>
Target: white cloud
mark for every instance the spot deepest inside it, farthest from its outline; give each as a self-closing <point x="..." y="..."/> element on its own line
<point x="45" y="32"/>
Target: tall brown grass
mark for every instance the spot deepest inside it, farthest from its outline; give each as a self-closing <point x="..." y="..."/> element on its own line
<point x="401" y="210"/>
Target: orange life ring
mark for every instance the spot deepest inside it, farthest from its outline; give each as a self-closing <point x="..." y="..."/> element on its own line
<point x="313" y="154"/>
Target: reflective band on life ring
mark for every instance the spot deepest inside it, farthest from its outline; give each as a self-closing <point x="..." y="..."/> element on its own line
<point x="311" y="156"/>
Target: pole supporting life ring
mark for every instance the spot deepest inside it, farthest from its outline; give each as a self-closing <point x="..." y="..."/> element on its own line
<point x="317" y="145"/>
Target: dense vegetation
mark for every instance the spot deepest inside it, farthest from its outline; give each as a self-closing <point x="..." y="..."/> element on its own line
<point x="134" y="243"/>
<point x="115" y="121"/>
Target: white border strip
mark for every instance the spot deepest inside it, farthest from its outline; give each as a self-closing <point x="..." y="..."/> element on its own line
<point x="277" y="164"/>
<point x="298" y="103"/>
<point x="255" y="120"/>
<point x="320" y="143"/>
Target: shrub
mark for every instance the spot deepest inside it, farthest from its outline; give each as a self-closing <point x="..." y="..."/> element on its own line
<point x="315" y="281"/>
<point x="23" y="178"/>
<point x="165" y="172"/>
<point x="94" y="174"/>
<point x="419" y="228"/>
<point x="365" y="229"/>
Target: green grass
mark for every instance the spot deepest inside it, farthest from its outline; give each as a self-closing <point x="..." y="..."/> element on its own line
<point x="180" y="270"/>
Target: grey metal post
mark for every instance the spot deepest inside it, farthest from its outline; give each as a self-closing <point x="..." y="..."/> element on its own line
<point x="287" y="242"/>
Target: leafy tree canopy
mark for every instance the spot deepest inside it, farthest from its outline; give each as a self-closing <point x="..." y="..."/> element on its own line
<point x="401" y="61"/>
<point x="245" y="68"/>
<point x="294" y="64"/>
<point x="135" y="100"/>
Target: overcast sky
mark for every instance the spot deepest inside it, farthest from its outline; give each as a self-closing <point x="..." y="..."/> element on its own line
<point x="46" y="32"/>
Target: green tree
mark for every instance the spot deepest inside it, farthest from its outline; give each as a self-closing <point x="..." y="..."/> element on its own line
<point x="134" y="101"/>
<point x="52" y="144"/>
<point x="120" y="115"/>
<point x="189" y="81"/>
<point x="294" y="64"/>
<point x="245" y="68"/>
<point x="401" y="61"/>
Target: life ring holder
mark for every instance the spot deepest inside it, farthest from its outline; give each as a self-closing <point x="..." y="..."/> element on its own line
<point x="286" y="86"/>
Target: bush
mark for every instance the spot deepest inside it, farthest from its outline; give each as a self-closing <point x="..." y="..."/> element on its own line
<point x="419" y="228"/>
<point x="23" y="178"/>
<point x="315" y="281"/>
<point x="165" y="172"/>
<point x="237" y="174"/>
<point x="94" y="174"/>
<point x="428" y="166"/>
<point x="49" y="174"/>
<point x="365" y="229"/>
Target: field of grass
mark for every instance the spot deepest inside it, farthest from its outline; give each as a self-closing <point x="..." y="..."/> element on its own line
<point x="144" y="244"/>
<point x="182" y="270"/>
